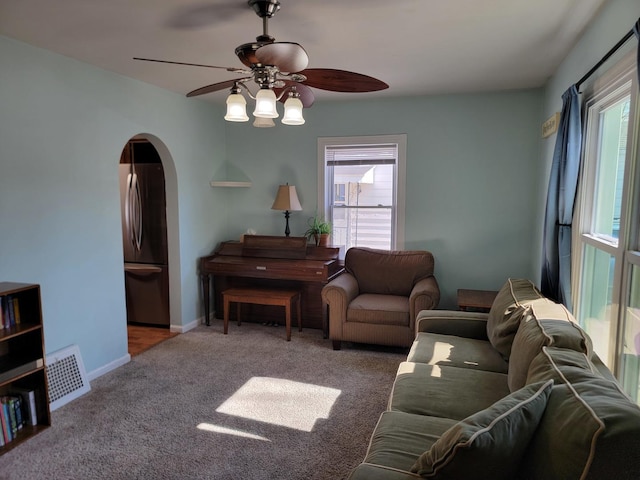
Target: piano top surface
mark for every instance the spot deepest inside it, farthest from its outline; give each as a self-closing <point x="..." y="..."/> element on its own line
<point x="318" y="263"/>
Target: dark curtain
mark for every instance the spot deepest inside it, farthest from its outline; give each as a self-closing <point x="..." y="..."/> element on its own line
<point x="636" y="30"/>
<point x="563" y="183"/>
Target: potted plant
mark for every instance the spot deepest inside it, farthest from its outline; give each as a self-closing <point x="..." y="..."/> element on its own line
<point x="319" y="229"/>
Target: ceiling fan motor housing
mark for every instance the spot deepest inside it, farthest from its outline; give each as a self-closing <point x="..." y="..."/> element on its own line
<point x="265" y="8"/>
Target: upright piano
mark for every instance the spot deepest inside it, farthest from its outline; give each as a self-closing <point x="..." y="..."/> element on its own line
<point x="272" y="262"/>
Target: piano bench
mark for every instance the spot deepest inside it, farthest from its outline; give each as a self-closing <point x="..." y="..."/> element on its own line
<point x="263" y="296"/>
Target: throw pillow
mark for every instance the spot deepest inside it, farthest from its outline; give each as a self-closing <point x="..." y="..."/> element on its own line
<point x="505" y="314"/>
<point x="490" y="443"/>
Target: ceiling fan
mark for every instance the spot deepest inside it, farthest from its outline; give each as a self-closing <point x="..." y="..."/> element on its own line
<point x="278" y="68"/>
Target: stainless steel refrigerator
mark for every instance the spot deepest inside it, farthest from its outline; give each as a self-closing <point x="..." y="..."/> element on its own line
<point x="144" y="235"/>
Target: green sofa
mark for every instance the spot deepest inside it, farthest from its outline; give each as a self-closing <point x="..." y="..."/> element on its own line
<point x="517" y="393"/>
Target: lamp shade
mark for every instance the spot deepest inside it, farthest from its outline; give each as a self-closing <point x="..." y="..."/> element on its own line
<point x="265" y="104"/>
<point x="236" y="108"/>
<point x="293" y="112"/>
<point x="286" y="199"/>
<point x="263" y="122"/>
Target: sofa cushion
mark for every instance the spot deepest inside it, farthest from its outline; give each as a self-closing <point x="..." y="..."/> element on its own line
<point x="368" y="471"/>
<point x="502" y="325"/>
<point x="442" y="391"/>
<point x="491" y="441"/>
<point x="589" y="424"/>
<point x="380" y="309"/>
<point x="388" y="272"/>
<point x="400" y="438"/>
<point x="454" y="351"/>
<point x="544" y="324"/>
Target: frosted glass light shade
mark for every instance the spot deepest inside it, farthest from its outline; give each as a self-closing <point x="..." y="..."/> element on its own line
<point x="265" y="104"/>
<point x="263" y="122"/>
<point x="293" y="112"/>
<point x="236" y="108"/>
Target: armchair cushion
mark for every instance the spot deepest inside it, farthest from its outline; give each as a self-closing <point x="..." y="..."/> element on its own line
<point x="381" y="309"/>
<point x="388" y="273"/>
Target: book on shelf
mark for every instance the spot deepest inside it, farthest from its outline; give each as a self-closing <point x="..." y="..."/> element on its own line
<point x="12" y="417"/>
<point x="9" y="311"/>
<point x="16" y="310"/>
<point x="29" y="409"/>
<point x="6" y="425"/>
<point x="9" y="404"/>
<point x="20" y="369"/>
<point x="17" y="406"/>
<point x="12" y="318"/>
<point x="4" y="315"/>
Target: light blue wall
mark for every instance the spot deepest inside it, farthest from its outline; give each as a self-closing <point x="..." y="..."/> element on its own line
<point x="611" y="24"/>
<point x="472" y="175"/>
<point x="63" y="125"/>
<point x="476" y="180"/>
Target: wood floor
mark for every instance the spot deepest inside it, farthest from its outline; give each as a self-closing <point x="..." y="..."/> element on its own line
<point x="142" y="338"/>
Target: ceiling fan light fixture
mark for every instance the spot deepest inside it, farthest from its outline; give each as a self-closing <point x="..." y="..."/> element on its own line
<point x="236" y="108"/>
<point x="266" y="104"/>
<point x="293" y="111"/>
<point x="264" y="122"/>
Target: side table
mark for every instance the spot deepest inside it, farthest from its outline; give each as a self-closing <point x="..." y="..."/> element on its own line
<point x="479" y="300"/>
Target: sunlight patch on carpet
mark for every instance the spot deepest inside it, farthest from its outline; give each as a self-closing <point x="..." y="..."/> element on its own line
<point x="281" y="402"/>
<point x="230" y="431"/>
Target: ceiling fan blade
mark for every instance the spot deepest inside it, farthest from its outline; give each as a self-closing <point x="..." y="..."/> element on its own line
<point x="229" y="69"/>
<point x="289" y="57"/>
<point x="306" y="94"/>
<point x="247" y="53"/>
<point x="215" y="87"/>
<point x="341" y="81"/>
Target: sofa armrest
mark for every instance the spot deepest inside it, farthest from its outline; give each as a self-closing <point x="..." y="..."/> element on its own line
<point x="453" y="322"/>
<point x="338" y="294"/>
<point x="425" y="295"/>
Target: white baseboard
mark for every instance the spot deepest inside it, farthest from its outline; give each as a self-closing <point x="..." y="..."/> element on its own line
<point x="187" y="327"/>
<point x="98" y="372"/>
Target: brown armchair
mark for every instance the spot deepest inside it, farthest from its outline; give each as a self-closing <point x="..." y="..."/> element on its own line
<point x="379" y="296"/>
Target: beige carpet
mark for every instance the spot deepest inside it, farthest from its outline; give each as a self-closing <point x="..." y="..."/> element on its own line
<point x="203" y="405"/>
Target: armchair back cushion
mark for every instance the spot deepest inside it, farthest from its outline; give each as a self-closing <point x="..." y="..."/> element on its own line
<point x="388" y="272"/>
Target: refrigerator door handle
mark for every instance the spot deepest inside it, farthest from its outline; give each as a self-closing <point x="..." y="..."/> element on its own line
<point x="141" y="270"/>
<point x="127" y="208"/>
<point x="137" y="224"/>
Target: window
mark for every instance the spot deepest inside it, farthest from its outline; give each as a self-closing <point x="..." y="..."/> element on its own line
<point x="339" y="195"/>
<point x="361" y="190"/>
<point x="607" y="251"/>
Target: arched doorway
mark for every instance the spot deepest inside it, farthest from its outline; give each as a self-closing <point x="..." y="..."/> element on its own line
<point x="145" y="244"/>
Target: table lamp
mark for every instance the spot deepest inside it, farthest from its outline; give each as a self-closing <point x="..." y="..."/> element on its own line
<point x="287" y="200"/>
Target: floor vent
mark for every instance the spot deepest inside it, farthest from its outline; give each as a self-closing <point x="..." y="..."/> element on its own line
<point x="66" y="376"/>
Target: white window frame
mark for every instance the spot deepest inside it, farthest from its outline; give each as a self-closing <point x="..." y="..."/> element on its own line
<point x="611" y="86"/>
<point x="400" y="140"/>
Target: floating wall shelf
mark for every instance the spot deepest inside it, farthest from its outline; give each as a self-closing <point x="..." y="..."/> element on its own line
<point x="230" y="176"/>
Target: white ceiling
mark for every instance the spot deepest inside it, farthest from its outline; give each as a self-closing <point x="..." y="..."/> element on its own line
<point x="416" y="46"/>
